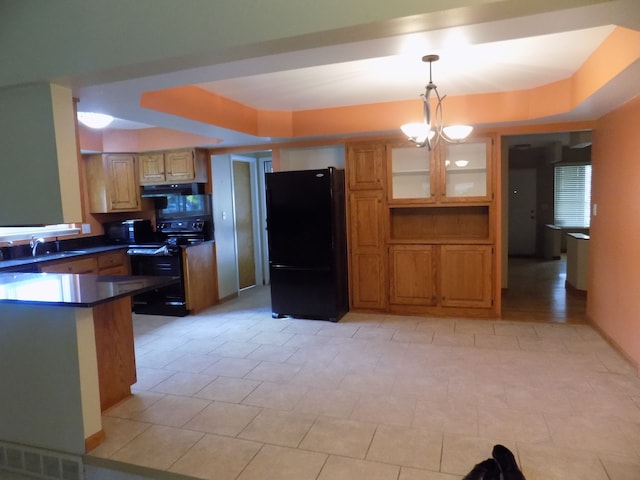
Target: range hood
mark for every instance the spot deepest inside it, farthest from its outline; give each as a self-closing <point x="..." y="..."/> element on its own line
<point x="172" y="189"/>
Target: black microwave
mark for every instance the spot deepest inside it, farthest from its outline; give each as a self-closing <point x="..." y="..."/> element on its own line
<point x="129" y="231"/>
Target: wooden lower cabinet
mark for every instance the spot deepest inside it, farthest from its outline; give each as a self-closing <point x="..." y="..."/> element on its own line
<point x="465" y="276"/>
<point x="86" y="264"/>
<point x="113" y="263"/>
<point x="412" y="275"/>
<point x="368" y="285"/>
<point x="441" y="279"/>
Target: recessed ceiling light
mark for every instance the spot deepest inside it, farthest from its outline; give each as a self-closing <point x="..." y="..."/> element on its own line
<point x="94" y="120"/>
<point x="461" y="163"/>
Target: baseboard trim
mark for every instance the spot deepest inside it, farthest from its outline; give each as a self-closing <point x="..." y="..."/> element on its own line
<point x="94" y="440"/>
<point x="614" y="345"/>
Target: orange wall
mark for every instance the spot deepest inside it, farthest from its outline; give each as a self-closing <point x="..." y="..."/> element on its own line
<point x="613" y="302"/>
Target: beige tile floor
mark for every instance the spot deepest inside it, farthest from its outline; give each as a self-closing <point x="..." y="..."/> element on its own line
<point x="234" y="394"/>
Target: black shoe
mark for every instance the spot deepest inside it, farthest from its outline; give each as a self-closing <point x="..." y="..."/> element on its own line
<point x="507" y="462"/>
<point x="487" y="470"/>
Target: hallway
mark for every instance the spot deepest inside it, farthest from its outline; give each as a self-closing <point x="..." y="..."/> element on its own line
<point x="537" y="293"/>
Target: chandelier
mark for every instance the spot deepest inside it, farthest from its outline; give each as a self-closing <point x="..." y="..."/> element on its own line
<point x="423" y="133"/>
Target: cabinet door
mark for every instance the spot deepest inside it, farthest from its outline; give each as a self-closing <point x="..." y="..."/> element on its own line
<point x="365" y="166"/>
<point x="180" y="165"/>
<point x="123" y="189"/>
<point x="113" y="263"/>
<point x="466" y="173"/>
<point x="466" y="276"/>
<point x="411" y="178"/>
<point x="151" y="168"/>
<point x="412" y="275"/>
<point x="367" y="250"/>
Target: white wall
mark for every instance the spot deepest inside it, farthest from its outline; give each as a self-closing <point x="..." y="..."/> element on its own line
<point x="311" y="158"/>
<point x="222" y="184"/>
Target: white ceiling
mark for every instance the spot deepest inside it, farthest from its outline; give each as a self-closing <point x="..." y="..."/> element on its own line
<point x="506" y="55"/>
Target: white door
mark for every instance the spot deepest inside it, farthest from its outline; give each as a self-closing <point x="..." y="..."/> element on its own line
<point x="522" y="211"/>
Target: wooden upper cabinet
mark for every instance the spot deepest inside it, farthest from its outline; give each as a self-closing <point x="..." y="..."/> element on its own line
<point x="365" y="166"/>
<point x="466" y="173"/>
<point x="450" y="173"/>
<point x="175" y="166"/>
<point x="151" y="168"/>
<point x="466" y="278"/>
<point x="112" y="181"/>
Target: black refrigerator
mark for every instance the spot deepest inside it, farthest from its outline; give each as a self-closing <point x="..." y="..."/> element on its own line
<point x="307" y="244"/>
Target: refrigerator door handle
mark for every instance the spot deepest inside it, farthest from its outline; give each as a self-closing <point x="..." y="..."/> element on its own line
<point x="298" y="268"/>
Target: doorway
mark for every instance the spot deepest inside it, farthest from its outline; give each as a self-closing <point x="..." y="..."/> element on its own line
<point x="246" y="207"/>
<point x="533" y="287"/>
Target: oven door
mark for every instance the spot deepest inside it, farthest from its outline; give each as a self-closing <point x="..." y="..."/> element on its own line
<point x="168" y="300"/>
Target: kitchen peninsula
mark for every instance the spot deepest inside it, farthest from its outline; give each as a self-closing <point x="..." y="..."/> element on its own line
<point x="66" y="350"/>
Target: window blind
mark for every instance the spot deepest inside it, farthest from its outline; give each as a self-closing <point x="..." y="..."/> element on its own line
<point x="572" y="197"/>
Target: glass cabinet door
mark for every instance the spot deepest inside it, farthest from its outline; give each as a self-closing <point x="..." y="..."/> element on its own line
<point x="411" y="174"/>
<point x="465" y="172"/>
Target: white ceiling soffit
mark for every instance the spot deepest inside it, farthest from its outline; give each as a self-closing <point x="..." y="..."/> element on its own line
<point x="500" y="55"/>
<point x="462" y="70"/>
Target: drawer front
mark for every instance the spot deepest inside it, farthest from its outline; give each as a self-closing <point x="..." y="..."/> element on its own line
<point x="111" y="259"/>
<point x="84" y="265"/>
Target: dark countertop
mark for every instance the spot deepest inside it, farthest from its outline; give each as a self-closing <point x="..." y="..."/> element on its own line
<point x="27" y="262"/>
<point x="72" y="290"/>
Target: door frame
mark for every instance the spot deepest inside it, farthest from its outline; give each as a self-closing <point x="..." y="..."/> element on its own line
<point x="265" y="165"/>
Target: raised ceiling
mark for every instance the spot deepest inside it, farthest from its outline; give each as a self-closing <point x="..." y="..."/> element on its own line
<point x="478" y="55"/>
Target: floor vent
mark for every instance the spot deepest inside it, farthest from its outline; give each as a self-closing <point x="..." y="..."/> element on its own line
<point x="39" y="463"/>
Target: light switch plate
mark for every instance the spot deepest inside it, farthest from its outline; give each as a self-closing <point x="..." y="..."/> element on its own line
<point x="86" y="228"/>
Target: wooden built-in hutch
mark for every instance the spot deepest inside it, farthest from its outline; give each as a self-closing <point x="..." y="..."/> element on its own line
<point x="422" y="227"/>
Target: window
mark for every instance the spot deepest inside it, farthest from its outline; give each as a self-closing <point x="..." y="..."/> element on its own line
<point x="572" y="196"/>
<point x="11" y="234"/>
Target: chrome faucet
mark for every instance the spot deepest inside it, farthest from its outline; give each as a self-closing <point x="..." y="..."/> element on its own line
<point x="34" y="244"/>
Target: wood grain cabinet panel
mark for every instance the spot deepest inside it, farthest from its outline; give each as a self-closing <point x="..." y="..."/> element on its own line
<point x="85" y="264"/>
<point x="466" y="275"/>
<point x="412" y="275"/>
<point x="365" y="166"/>
<point x="113" y="263"/>
<point x="113" y="326"/>
<point x="173" y="166"/>
<point x="368" y="274"/>
<point x="112" y="181"/>
<point x="367" y="250"/>
<point x="200" y="276"/>
<point x="151" y="168"/>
